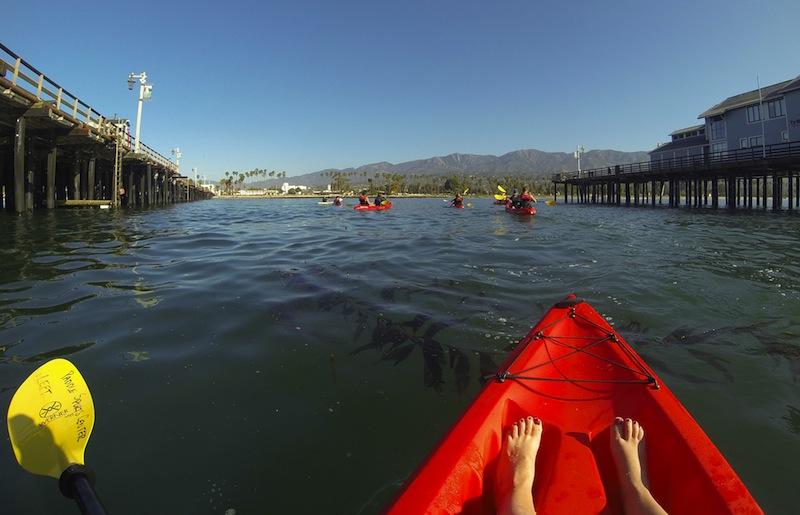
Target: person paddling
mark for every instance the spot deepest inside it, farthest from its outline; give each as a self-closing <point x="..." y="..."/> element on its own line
<point x="380" y="199"/>
<point x="514" y="198"/>
<point x="337" y="201"/>
<point x="525" y="199"/>
<point x="363" y="199"/>
<point x="458" y="201"/>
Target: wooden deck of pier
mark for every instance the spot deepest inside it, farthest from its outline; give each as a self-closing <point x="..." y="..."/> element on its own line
<point x="56" y="150"/>
<point x="759" y="177"/>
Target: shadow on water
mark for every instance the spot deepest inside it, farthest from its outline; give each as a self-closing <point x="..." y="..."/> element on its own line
<point x="792" y="418"/>
<point x="768" y="343"/>
<point x="393" y="338"/>
<point x="59" y="352"/>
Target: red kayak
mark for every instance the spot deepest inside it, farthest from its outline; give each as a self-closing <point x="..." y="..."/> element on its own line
<point x="459" y="206"/>
<point x="371" y="207"/>
<point x="576" y="373"/>
<point x="520" y="210"/>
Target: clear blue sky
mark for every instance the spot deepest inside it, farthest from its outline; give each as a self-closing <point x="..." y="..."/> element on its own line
<point x="302" y="85"/>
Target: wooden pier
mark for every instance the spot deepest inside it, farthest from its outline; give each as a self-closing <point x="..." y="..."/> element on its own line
<point x="56" y="150"/>
<point x="759" y="177"/>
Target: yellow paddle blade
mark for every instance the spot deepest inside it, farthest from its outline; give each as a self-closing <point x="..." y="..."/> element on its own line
<point x="50" y="419"/>
<point x="502" y="189"/>
<point x="499" y="197"/>
<point x="465" y="191"/>
<point x="551" y="202"/>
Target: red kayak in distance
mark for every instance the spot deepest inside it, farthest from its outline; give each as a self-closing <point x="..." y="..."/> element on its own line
<point x="576" y="373"/>
<point x="371" y="207"/>
<point x="458" y="207"/>
<point x="520" y="210"/>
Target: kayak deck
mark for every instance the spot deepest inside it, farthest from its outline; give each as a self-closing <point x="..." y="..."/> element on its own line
<point x="372" y="207"/>
<point x="520" y="210"/>
<point x="576" y="374"/>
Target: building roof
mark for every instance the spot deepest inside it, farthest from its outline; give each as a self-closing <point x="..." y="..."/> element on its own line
<point x="751" y="97"/>
<point x="688" y="129"/>
<point x="694" y="141"/>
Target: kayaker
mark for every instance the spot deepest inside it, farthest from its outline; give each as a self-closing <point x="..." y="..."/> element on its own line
<point x="513" y="199"/>
<point x="458" y="201"/>
<point x="337" y="201"/>
<point x="380" y="199"/>
<point x="324" y="199"/>
<point x="526" y="198"/>
<point x="363" y="199"/>
<point x="515" y="474"/>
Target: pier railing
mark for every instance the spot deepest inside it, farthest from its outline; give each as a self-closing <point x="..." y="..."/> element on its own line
<point x="20" y="77"/>
<point x="729" y="158"/>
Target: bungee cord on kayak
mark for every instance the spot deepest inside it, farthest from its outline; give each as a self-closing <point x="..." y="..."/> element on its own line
<point x="547" y="339"/>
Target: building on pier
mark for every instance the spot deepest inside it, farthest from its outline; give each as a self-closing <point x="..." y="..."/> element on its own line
<point x="746" y="154"/>
<point x="765" y="116"/>
<point x="753" y="119"/>
<point x="690" y="142"/>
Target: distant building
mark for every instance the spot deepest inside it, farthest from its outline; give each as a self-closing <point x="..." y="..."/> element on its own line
<point x="286" y="187"/>
<point x="746" y="120"/>
<point x="253" y="192"/>
<point x="209" y="187"/>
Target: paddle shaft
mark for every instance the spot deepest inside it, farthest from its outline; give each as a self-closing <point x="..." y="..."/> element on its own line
<point x="76" y="483"/>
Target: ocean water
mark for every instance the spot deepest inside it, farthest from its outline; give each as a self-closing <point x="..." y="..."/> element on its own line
<point x="274" y="356"/>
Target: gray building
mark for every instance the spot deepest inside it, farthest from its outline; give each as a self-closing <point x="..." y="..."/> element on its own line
<point x="746" y="120"/>
<point x="689" y="143"/>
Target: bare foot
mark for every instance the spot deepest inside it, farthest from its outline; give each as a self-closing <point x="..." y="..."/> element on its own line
<point x="627" y="450"/>
<point x="514" y="489"/>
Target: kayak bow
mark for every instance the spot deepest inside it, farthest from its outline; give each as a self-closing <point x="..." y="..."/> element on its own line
<point x="576" y="373"/>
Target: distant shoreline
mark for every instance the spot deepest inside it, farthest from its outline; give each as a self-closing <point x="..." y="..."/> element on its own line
<point x="331" y="197"/>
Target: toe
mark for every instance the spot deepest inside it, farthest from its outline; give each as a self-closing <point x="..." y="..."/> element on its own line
<point x="529" y="425"/>
<point x="628" y="428"/>
<point x="640" y="435"/>
<point x="515" y="431"/>
<point x="616" y="431"/>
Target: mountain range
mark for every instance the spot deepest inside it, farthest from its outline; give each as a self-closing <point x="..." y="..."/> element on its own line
<point x="519" y="162"/>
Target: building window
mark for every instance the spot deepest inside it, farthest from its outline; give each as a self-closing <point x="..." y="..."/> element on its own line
<point x="784" y="136"/>
<point x="756" y="141"/>
<point x="753" y="113"/>
<point x="744" y="143"/>
<point x="719" y="149"/>
<point x="718" y="129"/>
<point x="776" y="108"/>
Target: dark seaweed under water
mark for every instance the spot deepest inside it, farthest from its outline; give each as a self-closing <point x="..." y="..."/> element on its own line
<point x="276" y="356"/>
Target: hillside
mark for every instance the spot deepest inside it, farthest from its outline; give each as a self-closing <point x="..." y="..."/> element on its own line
<point x="529" y="161"/>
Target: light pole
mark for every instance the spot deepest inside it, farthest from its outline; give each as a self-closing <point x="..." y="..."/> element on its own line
<point x="145" y="92"/>
<point x="579" y="150"/>
<point x="177" y="153"/>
